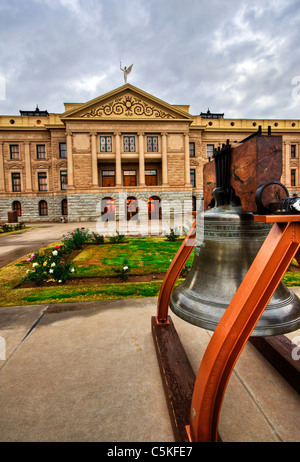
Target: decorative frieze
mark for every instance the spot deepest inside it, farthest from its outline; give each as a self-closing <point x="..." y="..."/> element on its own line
<point x="128" y="106"/>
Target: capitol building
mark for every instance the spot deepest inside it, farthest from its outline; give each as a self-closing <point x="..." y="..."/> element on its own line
<point x="107" y="156"/>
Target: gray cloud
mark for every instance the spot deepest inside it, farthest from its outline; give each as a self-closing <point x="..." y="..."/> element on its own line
<point x="234" y="57"/>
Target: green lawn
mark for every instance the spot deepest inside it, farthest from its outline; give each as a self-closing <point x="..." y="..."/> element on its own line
<point x="144" y="255"/>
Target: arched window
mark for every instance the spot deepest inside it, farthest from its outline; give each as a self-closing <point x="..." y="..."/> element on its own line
<point x="132" y="208"/>
<point x="108" y="209"/>
<point x="154" y="208"/>
<point x="64" y="207"/>
<point x="16" y="206"/>
<point x="43" y="208"/>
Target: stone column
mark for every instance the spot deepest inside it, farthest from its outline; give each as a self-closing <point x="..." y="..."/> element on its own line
<point x="70" y="160"/>
<point x="141" y="159"/>
<point x="28" y="185"/>
<point x="118" y="159"/>
<point x="94" y="160"/>
<point x="287" y="156"/>
<point x="164" y="159"/>
<point x="2" y="179"/>
<point x="187" y="159"/>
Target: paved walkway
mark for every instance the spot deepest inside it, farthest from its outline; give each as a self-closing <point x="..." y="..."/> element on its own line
<point x="89" y="372"/>
<point x="16" y="245"/>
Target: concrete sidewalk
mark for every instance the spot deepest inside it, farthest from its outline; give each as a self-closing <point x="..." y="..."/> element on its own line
<point x="89" y="372"/>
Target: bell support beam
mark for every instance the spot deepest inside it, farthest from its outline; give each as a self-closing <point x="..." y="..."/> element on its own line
<point x="237" y="323"/>
<point x="173" y="273"/>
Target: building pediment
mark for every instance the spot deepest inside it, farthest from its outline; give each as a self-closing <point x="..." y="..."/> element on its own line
<point x="127" y="102"/>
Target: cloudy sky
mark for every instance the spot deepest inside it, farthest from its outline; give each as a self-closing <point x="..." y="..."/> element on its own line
<point x="240" y="57"/>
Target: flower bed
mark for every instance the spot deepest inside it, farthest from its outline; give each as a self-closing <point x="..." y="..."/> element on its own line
<point x="95" y="276"/>
<point x="76" y="260"/>
<point x="49" y="265"/>
<point x="9" y="228"/>
<point x="53" y="264"/>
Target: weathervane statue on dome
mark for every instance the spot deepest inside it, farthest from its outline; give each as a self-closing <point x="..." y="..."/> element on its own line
<point x="126" y="71"/>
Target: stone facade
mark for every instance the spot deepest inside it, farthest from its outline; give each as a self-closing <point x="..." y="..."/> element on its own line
<point x="30" y="208"/>
<point x="121" y="150"/>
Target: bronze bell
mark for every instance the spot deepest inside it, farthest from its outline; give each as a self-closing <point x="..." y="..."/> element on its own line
<point x="232" y="240"/>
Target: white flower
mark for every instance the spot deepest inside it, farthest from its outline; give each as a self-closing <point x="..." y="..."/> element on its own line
<point x="60" y="280"/>
<point x="35" y="264"/>
<point x="125" y="268"/>
<point x="52" y="264"/>
<point x="50" y="271"/>
<point x="54" y="252"/>
<point x="28" y="271"/>
<point x="72" y="270"/>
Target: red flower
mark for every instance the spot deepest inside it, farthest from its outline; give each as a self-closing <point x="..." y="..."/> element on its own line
<point x="82" y="227"/>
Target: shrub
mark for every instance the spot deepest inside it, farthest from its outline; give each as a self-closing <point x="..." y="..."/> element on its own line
<point x="117" y="239"/>
<point x="185" y="270"/>
<point x="48" y="266"/>
<point x="76" y="239"/>
<point x="174" y="234"/>
<point x="97" y="238"/>
<point x="62" y="271"/>
<point x="124" y="271"/>
<point x="6" y="227"/>
<point x="20" y="225"/>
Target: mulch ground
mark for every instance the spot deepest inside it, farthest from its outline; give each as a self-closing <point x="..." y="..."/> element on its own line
<point x="99" y="280"/>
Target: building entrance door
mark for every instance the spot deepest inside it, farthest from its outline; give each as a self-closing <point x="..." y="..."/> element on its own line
<point x="132" y="208"/>
<point x="154" y="208"/>
<point x="108" y="209"/>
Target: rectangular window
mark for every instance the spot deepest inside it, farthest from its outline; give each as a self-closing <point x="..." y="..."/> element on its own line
<point x="16" y="182"/>
<point x="18" y="208"/>
<point x="63" y="180"/>
<point x="105" y="144"/>
<point x="210" y="150"/>
<point x="42" y="181"/>
<point x="62" y="150"/>
<point x="152" y="143"/>
<point x="293" y="150"/>
<point x="14" y="151"/>
<point x="151" y="177"/>
<point x="193" y="177"/>
<point x="43" y="208"/>
<point x="41" y="151"/>
<point x="129" y="143"/>
<point x="293" y="177"/>
<point x="108" y="178"/>
<point x="129" y="177"/>
<point x="64" y="207"/>
<point x="192" y="149"/>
